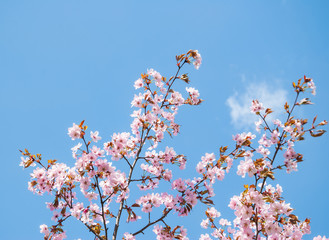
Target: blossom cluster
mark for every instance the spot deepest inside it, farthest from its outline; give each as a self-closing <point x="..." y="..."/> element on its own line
<point x="96" y="191"/>
<point x="95" y="177"/>
<point x="260" y="210"/>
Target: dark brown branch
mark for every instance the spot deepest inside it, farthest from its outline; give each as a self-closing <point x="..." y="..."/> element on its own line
<point x="152" y="223"/>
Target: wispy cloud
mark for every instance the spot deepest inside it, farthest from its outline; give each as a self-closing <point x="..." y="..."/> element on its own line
<point x="240" y="102"/>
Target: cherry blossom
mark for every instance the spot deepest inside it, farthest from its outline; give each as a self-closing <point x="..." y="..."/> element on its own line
<point x="94" y="136"/>
<point x="74" y="132"/>
<point x="256" y="106"/>
<point x="96" y="188"/>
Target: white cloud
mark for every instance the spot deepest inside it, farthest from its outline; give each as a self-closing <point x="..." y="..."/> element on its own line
<point x="239" y="103"/>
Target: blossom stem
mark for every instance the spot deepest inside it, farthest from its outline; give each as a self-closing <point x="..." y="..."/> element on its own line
<point x="102" y="205"/>
<point x="116" y="227"/>
<point x="173" y="80"/>
<point x="279" y="144"/>
<point x="117" y="222"/>
<point x="152" y="223"/>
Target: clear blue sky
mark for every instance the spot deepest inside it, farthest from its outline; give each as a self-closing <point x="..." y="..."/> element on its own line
<point x="65" y="61"/>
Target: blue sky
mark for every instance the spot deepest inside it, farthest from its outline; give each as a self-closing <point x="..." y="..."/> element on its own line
<point x="65" y="61"/>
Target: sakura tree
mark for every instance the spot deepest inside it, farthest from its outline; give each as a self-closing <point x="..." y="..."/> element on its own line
<point x="96" y="190"/>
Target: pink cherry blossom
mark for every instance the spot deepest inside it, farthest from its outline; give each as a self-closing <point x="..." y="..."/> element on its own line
<point x="256" y="106"/>
<point x="196" y="58"/>
<point x="205" y="237"/>
<point x="74" y="132"/>
<point x="94" y="136"/>
<point x="44" y="229"/>
<point x="128" y="236"/>
<point x="213" y="213"/>
<point x="204" y="223"/>
<point x="312" y="86"/>
<point x="138" y="83"/>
